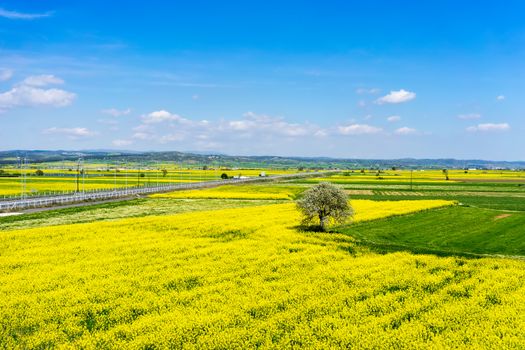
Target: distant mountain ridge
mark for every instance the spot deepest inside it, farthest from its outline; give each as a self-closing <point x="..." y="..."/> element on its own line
<point x="201" y="159"/>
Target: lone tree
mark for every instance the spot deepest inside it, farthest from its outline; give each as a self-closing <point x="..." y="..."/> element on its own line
<point x="326" y="203"/>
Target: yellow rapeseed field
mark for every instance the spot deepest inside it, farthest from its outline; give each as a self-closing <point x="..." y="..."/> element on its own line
<point x="245" y="278"/>
<point x="39" y="185"/>
<point x="13" y="187"/>
<point x="368" y="178"/>
<point x="423" y="176"/>
<point x="103" y="178"/>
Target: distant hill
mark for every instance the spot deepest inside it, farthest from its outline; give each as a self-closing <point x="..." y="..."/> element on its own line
<point x="148" y="158"/>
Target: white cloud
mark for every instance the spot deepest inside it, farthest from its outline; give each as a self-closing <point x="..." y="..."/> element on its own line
<point x="358" y="129"/>
<point x="489" y="127"/>
<point x="142" y="127"/>
<point x="121" y="143"/>
<point x="108" y="121"/>
<point x="469" y="116"/>
<point x="164" y="127"/>
<point x="393" y="118"/>
<point x="144" y="132"/>
<point x="397" y="97"/>
<point x="372" y="91"/>
<point x="500" y="97"/>
<point x="5" y="74"/>
<point x="19" y="15"/>
<point x="195" y="97"/>
<point x="31" y="93"/>
<point x="116" y="112"/>
<point x="71" y="133"/>
<point x="171" y="138"/>
<point x="241" y="125"/>
<point x="162" y="116"/>
<point x="405" y="131"/>
<point x="321" y="133"/>
<point x="143" y="136"/>
<point x="23" y="95"/>
<point x="260" y="123"/>
<point x="42" y="80"/>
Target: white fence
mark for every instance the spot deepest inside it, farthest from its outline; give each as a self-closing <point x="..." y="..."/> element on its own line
<point x="75" y="197"/>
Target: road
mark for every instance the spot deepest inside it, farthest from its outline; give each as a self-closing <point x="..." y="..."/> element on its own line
<point x="122" y="193"/>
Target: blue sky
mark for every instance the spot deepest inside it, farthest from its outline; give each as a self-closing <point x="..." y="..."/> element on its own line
<point x="367" y="79"/>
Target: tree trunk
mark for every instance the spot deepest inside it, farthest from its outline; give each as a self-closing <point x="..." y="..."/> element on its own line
<point x="322" y="222"/>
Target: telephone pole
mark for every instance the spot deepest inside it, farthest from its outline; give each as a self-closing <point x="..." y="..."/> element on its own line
<point x="78" y="174"/>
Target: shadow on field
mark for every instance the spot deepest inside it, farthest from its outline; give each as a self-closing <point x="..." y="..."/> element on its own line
<point x="310" y="228"/>
<point x="348" y="243"/>
<point x="386" y="248"/>
<point x="343" y="241"/>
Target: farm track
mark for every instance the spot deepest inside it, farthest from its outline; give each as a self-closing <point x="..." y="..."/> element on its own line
<point x="499" y="210"/>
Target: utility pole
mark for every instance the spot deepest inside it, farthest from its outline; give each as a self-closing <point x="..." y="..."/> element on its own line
<point x="158" y="170"/>
<point x="84" y="173"/>
<point x="78" y="174"/>
<point x="19" y="159"/>
<point x="138" y="176"/>
<point x="25" y="176"/>
<point x="115" y="175"/>
<point x="22" y="166"/>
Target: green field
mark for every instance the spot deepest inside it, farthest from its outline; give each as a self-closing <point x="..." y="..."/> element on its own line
<point x="455" y="230"/>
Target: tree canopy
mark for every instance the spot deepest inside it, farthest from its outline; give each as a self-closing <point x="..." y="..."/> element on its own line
<point x="325" y="204"/>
